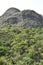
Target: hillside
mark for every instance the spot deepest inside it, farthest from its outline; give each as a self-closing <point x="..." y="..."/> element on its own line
<point x="21" y="37"/>
<point x="21" y="46"/>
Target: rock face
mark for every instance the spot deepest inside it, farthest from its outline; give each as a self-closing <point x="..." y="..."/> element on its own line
<point x="11" y="11"/>
<point x="26" y="18"/>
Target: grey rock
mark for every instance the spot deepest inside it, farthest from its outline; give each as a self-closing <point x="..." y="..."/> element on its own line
<point x="25" y="18"/>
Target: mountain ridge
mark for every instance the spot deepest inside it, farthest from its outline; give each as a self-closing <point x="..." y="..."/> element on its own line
<point x="29" y="18"/>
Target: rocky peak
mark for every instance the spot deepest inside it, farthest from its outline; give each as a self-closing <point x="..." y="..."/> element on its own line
<point x="27" y="18"/>
<point x="11" y="11"/>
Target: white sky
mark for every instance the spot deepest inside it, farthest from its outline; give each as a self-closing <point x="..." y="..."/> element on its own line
<point x="36" y="5"/>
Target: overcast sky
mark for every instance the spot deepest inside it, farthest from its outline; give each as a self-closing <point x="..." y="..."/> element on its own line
<point x="36" y="5"/>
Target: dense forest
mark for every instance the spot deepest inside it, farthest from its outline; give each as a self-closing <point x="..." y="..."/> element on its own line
<point x="21" y="46"/>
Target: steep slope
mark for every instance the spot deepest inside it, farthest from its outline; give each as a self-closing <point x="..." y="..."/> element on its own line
<point x="11" y="11"/>
<point x="25" y="18"/>
<point x="32" y="18"/>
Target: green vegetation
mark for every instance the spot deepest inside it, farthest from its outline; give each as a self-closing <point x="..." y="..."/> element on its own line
<point x="21" y="46"/>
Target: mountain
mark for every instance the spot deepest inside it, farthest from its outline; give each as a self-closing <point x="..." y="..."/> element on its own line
<point x="21" y="37"/>
<point x="25" y="18"/>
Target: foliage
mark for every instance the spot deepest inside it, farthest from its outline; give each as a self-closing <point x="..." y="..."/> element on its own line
<point x="21" y="46"/>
